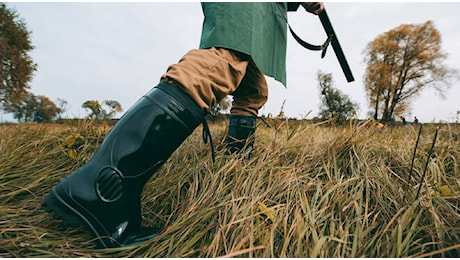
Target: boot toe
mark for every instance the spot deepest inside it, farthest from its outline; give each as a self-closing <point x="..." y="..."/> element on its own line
<point x="142" y="235"/>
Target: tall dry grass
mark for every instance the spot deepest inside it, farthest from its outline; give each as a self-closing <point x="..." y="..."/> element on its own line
<point x="308" y="191"/>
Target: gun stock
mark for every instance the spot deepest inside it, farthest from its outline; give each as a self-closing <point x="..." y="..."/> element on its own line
<point x="336" y="46"/>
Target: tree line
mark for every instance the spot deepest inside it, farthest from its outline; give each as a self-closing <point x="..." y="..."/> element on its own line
<point x="17" y="68"/>
<point x="400" y="64"/>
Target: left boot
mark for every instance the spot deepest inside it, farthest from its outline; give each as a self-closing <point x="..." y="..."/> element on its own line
<point x="241" y="135"/>
<point x="104" y="194"/>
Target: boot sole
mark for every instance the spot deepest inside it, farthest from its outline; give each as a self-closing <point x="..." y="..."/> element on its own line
<point x="70" y="216"/>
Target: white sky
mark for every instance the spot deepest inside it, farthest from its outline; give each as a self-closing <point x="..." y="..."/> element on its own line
<point x="119" y="51"/>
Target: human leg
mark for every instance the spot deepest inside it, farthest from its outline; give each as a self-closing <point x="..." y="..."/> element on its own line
<point x="208" y="75"/>
<point x="104" y="194"/>
<point x="249" y="97"/>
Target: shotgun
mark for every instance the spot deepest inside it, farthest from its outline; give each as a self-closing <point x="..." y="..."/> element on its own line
<point x="336" y="46"/>
<point x="331" y="39"/>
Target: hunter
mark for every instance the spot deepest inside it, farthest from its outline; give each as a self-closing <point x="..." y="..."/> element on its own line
<point x="240" y="43"/>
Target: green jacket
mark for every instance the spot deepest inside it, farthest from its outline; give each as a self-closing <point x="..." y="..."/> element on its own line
<point x="257" y="29"/>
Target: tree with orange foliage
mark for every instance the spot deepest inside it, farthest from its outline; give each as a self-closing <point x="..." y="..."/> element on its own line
<point x="401" y="63"/>
<point x="32" y="108"/>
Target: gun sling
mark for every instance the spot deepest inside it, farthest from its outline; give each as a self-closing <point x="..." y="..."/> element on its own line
<point x="331" y="40"/>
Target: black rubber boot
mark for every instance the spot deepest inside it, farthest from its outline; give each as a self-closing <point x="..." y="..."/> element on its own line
<point x="240" y="137"/>
<point x="104" y="194"/>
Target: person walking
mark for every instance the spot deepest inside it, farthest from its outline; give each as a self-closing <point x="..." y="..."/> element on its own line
<point x="240" y="42"/>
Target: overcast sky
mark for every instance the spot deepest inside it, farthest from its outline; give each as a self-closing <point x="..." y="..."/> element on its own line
<point x="119" y="51"/>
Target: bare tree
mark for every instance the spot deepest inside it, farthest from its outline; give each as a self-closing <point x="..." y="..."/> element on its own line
<point x="113" y="108"/>
<point x="63" y="106"/>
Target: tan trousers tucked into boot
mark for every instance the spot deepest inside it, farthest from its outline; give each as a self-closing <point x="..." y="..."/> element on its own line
<point x="210" y="75"/>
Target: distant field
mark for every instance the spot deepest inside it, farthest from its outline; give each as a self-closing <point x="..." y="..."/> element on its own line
<point x="310" y="190"/>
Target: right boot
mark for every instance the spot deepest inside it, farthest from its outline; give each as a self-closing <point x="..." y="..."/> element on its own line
<point x="104" y="194"/>
<point x="241" y="135"/>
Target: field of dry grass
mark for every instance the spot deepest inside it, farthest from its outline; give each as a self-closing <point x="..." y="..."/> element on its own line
<point x="308" y="191"/>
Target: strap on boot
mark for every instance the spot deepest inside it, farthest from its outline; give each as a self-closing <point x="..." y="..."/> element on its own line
<point x="201" y="116"/>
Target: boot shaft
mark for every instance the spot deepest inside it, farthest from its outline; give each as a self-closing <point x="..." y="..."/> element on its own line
<point x="150" y="131"/>
<point x="241" y="134"/>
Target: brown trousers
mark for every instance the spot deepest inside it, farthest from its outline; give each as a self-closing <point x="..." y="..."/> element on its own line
<point x="210" y="75"/>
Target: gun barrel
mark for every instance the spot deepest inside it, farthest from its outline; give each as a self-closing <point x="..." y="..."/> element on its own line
<point x="336" y="46"/>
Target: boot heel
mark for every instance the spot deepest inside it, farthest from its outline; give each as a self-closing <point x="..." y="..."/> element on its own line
<point x="53" y="204"/>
